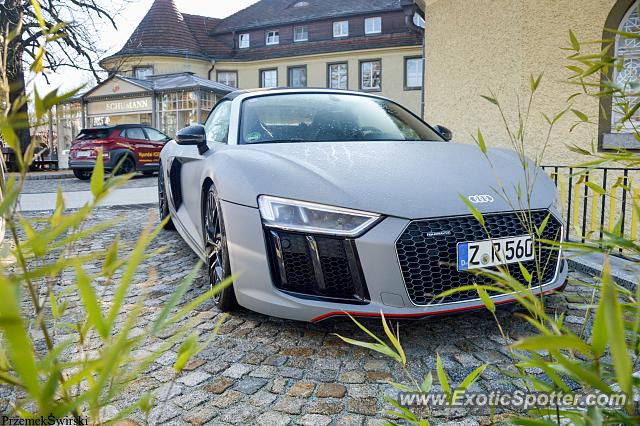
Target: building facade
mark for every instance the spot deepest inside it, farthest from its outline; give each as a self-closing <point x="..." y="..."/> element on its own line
<point x="477" y="46"/>
<point x="374" y="46"/>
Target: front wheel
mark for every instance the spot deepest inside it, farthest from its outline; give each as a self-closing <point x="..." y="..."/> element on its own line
<point x="215" y="239"/>
<point x="82" y="174"/>
<point x="128" y="165"/>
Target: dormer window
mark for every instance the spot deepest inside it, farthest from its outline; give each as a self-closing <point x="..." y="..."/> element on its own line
<point x="273" y="37"/>
<point x="142" y="72"/>
<point x="245" y="41"/>
<point x="300" y="34"/>
<point x="341" y="29"/>
<point x="373" y="25"/>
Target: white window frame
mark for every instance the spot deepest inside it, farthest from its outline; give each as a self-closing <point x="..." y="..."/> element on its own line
<point x="346" y="68"/>
<point x="362" y="75"/>
<point x="341" y="29"/>
<point x="373" y="25"/>
<point x="262" y="78"/>
<point x="419" y="78"/>
<point x="272" y="38"/>
<point x="305" y="34"/>
<point x="144" y="68"/>
<point x="244" y="41"/>
<point x="225" y="72"/>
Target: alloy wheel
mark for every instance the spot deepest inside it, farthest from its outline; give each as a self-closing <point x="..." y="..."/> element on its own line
<point x="214" y="245"/>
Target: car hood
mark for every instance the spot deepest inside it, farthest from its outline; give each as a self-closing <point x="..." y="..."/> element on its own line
<point x="404" y="179"/>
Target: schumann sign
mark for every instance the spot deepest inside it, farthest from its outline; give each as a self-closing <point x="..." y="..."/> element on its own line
<point x="122" y="106"/>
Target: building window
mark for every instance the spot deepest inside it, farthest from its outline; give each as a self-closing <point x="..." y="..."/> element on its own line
<point x="413" y="75"/>
<point x="297" y="76"/>
<point x="341" y="29"/>
<point x="628" y="50"/>
<point x="338" y="76"/>
<point x="273" y="37"/>
<point x="245" y="41"/>
<point x="300" y="34"/>
<point x="142" y="72"/>
<point x="269" y="78"/>
<point x="373" y="25"/>
<point x="230" y="78"/>
<point x="418" y="20"/>
<point x="371" y="75"/>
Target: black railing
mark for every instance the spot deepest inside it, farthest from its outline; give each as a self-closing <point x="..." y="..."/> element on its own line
<point x="596" y="200"/>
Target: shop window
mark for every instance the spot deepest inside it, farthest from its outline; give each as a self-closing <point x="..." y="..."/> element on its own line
<point x="338" y="76"/>
<point x="273" y="37"/>
<point x="142" y="72"/>
<point x="413" y="75"/>
<point x="245" y="41"/>
<point x="269" y="78"/>
<point x="341" y="29"/>
<point x="373" y="25"/>
<point x="300" y="34"/>
<point x="177" y="110"/>
<point x="230" y="78"/>
<point x="371" y="75"/>
<point x="297" y="76"/>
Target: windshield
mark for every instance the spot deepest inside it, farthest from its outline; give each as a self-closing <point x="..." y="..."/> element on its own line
<point x="328" y="117"/>
<point x="90" y="134"/>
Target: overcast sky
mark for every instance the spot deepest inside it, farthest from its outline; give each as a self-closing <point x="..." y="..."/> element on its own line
<point x="130" y="14"/>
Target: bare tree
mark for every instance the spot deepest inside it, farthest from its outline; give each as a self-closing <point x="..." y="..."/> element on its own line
<point x="73" y="24"/>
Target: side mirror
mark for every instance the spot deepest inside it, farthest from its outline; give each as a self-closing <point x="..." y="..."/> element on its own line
<point x="193" y="135"/>
<point x="446" y="134"/>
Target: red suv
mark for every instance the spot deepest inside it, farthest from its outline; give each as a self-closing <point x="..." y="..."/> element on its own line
<point x="136" y="147"/>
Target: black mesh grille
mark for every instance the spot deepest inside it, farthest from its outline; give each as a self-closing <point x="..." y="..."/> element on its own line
<point x="174" y="180"/>
<point x="427" y="251"/>
<point x="316" y="266"/>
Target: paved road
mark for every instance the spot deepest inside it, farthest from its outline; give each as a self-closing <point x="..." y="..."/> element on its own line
<point x="41" y="195"/>
<point x="270" y="372"/>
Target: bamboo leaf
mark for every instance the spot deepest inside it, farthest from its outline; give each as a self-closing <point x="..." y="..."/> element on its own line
<point x="427" y="383"/>
<point x="90" y="302"/>
<point x="442" y="377"/>
<point x="575" y="44"/>
<point x="581" y="115"/>
<point x="484" y="296"/>
<point x="472" y="377"/>
<point x="475" y="212"/>
<point x="394" y="341"/>
<point x="481" y="143"/>
<point x="97" y="177"/>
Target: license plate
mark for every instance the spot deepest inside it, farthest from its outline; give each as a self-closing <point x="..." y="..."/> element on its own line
<point x="83" y="154"/>
<point x="499" y="251"/>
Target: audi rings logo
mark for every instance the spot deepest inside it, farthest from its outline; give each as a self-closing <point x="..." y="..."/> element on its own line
<point x="481" y="199"/>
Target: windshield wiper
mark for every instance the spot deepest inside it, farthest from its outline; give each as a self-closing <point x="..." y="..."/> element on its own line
<point x="278" y="141"/>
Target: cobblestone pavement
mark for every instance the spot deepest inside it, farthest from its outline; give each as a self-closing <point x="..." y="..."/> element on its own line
<point x="73" y="184"/>
<point x="268" y="371"/>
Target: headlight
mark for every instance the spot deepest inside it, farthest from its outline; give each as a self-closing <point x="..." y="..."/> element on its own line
<point x="314" y="218"/>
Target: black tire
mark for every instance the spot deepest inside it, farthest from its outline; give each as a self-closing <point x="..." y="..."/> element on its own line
<point x="148" y="172"/>
<point x="163" y="203"/>
<point x="128" y="165"/>
<point x="82" y="174"/>
<point x="215" y="241"/>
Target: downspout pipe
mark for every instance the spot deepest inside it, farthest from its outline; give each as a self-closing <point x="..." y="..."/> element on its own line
<point x="213" y="66"/>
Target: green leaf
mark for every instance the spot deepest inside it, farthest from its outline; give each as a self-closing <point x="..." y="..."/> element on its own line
<point x="90" y="302"/>
<point x="581" y="115"/>
<point x="490" y="99"/>
<point x="552" y="342"/>
<point x="472" y="377"/>
<point x="575" y="44"/>
<point x="484" y="296"/>
<point x="427" y="382"/>
<point x="534" y="82"/>
<point x="97" y="177"/>
<point x="614" y="321"/>
<point x="187" y="348"/>
<point x="442" y="377"/>
<point x="525" y="273"/>
<point x="475" y="212"/>
<point x="596" y="188"/>
<point x="377" y="347"/>
<point x="481" y="143"/>
<point x="393" y="339"/>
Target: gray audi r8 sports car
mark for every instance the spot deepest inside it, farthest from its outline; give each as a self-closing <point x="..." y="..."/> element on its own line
<point x="326" y="202"/>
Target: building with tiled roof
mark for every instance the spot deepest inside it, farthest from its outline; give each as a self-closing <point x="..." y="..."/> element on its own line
<point x="368" y="45"/>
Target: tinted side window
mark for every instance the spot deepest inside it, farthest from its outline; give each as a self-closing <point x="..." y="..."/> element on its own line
<point x="136" y="133"/>
<point x="155" y="135"/>
<point x="217" y="126"/>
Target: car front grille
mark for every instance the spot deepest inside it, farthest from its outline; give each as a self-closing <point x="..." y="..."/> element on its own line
<point x="427" y="252"/>
<point x="318" y="267"/>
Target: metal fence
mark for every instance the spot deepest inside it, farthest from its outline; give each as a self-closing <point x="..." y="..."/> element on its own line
<point x="597" y="200"/>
